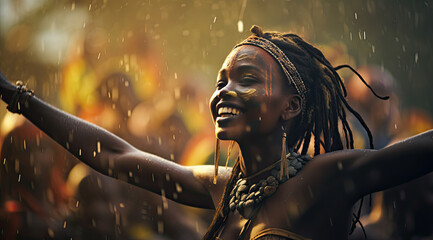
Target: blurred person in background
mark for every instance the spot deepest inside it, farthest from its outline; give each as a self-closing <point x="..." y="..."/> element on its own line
<point x="403" y="212"/>
<point x="34" y="196"/>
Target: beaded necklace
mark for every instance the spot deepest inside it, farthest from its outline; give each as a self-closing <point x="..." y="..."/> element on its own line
<point x="246" y="196"/>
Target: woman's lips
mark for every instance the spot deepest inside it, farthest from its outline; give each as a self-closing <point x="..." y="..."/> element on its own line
<point x="226" y="114"/>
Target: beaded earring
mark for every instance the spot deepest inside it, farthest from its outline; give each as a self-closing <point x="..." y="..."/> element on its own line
<point x="216" y="161"/>
<point x="284" y="165"/>
<point x="229" y="151"/>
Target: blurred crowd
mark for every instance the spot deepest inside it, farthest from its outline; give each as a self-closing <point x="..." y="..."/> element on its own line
<point x="45" y="193"/>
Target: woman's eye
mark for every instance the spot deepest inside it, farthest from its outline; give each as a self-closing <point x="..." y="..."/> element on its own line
<point x="248" y="81"/>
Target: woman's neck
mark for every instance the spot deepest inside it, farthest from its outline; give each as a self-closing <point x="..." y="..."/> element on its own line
<point x="260" y="152"/>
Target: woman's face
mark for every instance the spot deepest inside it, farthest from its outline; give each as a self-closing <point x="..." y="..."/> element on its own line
<point x="250" y="95"/>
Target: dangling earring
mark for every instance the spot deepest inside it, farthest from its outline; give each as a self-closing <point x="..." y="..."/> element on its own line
<point x="216" y="161"/>
<point x="241" y="162"/>
<point x="284" y="167"/>
<point x="232" y="143"/>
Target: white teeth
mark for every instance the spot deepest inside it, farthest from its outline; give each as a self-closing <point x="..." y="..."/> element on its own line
<point x="228" y="110"/>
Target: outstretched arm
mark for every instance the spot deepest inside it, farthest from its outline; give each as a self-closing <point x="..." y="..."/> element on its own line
<point x="110" y="155"/>
<point x="399" y="163"/>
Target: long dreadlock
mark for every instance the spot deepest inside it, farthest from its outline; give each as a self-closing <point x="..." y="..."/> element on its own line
<point x="324" y="109"/>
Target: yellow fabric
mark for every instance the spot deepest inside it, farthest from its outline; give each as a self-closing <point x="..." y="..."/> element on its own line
<point x="280" y="233"/>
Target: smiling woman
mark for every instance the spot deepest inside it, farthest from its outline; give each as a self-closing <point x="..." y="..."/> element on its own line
<point x="275" y="94"/>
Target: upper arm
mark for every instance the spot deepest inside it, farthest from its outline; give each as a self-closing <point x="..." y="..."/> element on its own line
<point x="170" y="180"/>
<point x="375" y="170"/>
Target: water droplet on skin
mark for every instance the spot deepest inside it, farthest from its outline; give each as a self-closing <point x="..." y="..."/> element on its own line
<point x="340" y="166"/>
<point x="159" y="210"/>
<point x="51" y="232"/>
<point x="178" y="188"/>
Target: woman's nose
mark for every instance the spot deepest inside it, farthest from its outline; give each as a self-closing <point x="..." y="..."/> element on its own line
<point x="227" y="91"/>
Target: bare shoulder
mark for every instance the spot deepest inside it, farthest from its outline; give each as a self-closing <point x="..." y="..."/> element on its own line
<point x="329" y="174"/>
<point x="338" y="160"/>
<point x="205" y="174"/>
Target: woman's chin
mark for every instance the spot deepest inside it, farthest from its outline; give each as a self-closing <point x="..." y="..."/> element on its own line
<point x="225" y="135"/>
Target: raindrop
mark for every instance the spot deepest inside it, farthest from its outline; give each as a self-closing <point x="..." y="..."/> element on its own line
<point x="64" y="224"/>
<point x="176" y="91"/>
<point x="356" y="15"/>
<point x="98" y="145"/>
<point x="416" y="57"/>
<point x="240" y="26"/>
<point x="77" y="203"/>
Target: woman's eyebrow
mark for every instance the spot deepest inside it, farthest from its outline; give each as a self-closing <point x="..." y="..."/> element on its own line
<point x="249" y="67"/>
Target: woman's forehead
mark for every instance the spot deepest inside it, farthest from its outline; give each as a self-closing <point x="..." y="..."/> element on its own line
<point x="249" y="53"/>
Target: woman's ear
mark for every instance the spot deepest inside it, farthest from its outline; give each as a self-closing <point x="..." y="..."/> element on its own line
<point x="292" y="107"/>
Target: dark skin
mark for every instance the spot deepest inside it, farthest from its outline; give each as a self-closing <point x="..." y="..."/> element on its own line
<point x="317" y="203"/>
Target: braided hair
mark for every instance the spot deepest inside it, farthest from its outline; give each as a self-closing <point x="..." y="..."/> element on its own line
<point x="324" y="109"/>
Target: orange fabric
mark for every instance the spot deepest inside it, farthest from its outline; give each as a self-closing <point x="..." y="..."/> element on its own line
<point x="280" y="233"/>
